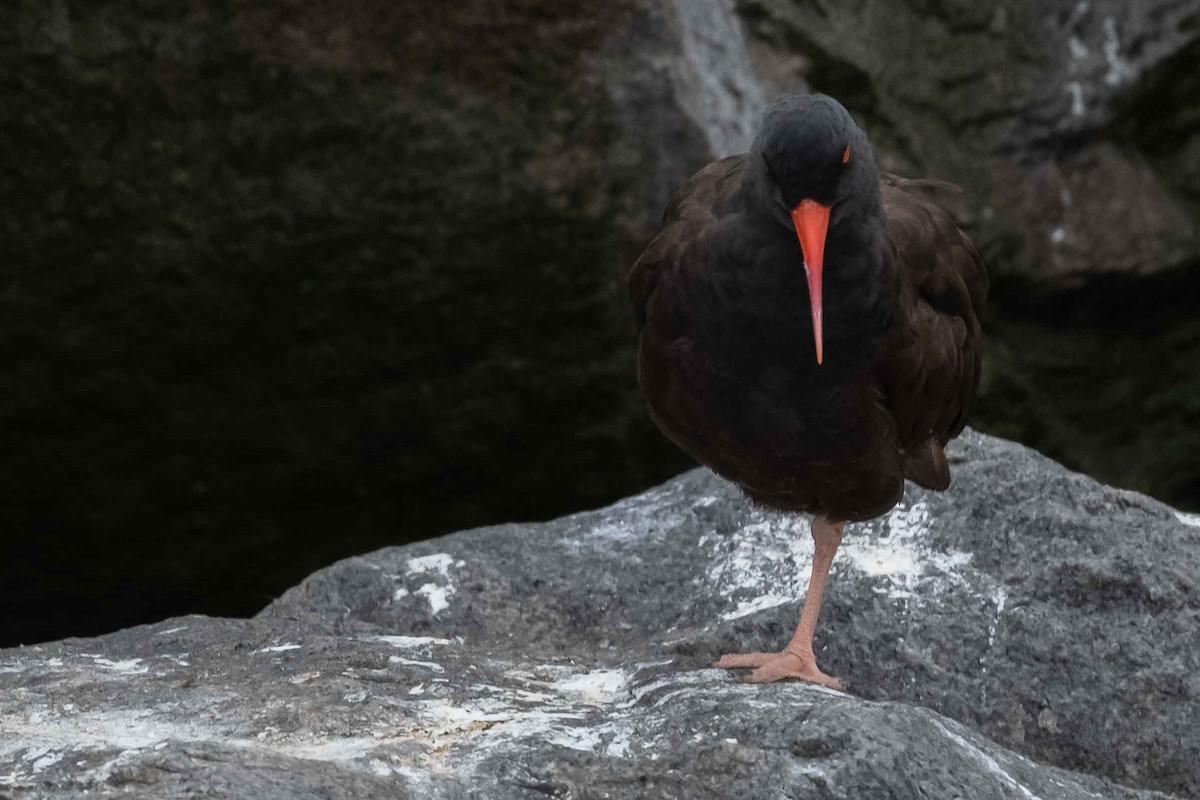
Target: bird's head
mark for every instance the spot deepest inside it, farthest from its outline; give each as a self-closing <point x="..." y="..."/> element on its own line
<point x="815" y="157"/>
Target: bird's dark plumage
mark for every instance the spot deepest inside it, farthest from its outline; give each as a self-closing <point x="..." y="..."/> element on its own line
<point x="726" y="340"/>
<point x="811" y="331"/>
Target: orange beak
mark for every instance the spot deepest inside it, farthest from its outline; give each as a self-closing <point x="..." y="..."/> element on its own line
<point x="812" y="223"/>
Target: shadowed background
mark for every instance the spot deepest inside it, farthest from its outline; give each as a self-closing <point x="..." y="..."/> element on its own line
<point x="286" y="281"/>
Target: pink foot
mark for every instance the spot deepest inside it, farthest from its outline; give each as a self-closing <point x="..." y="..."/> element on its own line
<point x="771" y="667"/>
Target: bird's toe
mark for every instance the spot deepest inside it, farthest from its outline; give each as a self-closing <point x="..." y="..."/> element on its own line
<point x="773" y="667"/>
<point x="744" y="660"/>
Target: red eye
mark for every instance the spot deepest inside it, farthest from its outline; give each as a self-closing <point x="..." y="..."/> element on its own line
<point x="846" y="154"/>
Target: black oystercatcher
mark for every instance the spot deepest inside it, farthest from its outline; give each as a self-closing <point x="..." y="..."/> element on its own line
<point x="810" y="330"/>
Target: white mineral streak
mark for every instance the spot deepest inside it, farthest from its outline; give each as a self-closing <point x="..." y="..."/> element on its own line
<point x="767" y="563"/>
<point x="1189" y="519"/>
<point x="987" y="762"/>
<point x="1075" y="89"/>
<point x="130" y="666"/>
<point x="438" y="562"/>
<point x="414" y="663"/>
<point x="410" y="641"/>
<point x="625" y="522"/>
<point x="37" y="735"/>
<point x="599" y="687"/>
<point x="714" y="81"/>
<point x="1001" y="597"/>
<point x="1119" y="69"/>
<point x="577" y="709"/>
<point x="437" y="594"/>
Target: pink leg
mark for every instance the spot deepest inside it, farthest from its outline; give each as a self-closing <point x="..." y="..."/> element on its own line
<point x="797" y="659"/>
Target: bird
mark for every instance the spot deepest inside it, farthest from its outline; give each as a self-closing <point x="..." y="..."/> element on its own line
<point x="810" y="328"/>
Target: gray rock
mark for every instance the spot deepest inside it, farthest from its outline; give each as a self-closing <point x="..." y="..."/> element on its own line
<point x="1029" y="617"/>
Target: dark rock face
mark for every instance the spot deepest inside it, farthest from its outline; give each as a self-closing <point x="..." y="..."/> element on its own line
<point x="1030" y="616"/>
<point x="275" y="270"/>
<point x="1063" y="120"/>
<point x="1103" y="376"/>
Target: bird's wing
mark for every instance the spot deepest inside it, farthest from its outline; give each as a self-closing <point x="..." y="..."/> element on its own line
<point x="930" y="360"/>
<point x="692" y="209"/>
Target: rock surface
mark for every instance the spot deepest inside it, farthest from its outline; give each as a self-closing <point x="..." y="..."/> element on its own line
<point x="1028" y="617"/>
